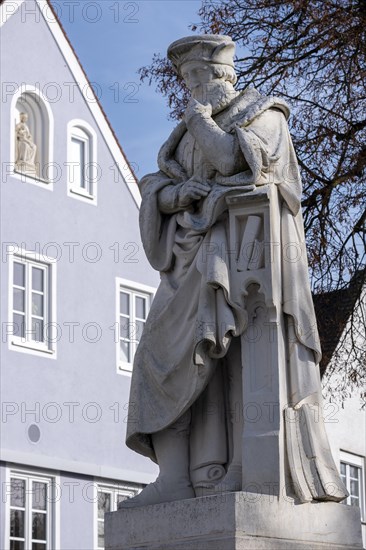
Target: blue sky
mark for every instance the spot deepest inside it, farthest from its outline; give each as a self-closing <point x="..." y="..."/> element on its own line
<point x="112" y="40"/>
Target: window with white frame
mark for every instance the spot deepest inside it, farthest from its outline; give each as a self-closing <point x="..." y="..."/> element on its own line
<point x="31" y="303"/>
<point x="133" y="308"/>
<point x="80" y="157"/>
<point x="109" y="496"/>
<point x="82" y="167"/>
<point x="353" y="476"/>
<point x="30" y="512"/>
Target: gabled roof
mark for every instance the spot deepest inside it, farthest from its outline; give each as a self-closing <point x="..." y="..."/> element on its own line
<point x="333" y="310"/>
<point x="9" y="8"/>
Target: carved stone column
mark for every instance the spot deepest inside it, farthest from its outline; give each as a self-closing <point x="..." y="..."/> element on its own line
<point x="255" y="268"/>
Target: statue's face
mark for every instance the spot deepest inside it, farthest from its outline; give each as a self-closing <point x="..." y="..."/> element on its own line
<point x="196" y="73"/>
<point x="199" y="77"/>
<point x="23" y="117"/>
<point x="206" y="86"/>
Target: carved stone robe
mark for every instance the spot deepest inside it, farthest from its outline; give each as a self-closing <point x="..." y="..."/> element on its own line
<point x="193" y="317"/>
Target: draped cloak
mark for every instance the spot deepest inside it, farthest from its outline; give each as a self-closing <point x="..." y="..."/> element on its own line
<point x="193" y="317"/>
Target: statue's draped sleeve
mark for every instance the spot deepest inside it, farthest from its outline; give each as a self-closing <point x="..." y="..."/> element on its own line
<point x="157" y="229"/>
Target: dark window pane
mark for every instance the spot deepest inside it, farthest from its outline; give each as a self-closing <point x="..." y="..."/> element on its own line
<point x="124" y="300"/>
<point x="39" y="545"/>
<point x="355" y="501"/>
<point x="39" y="495"/>
<point x="19" y="274"/>
<point x="17" y="492"/>
<point x="16" y="545"/>
<point x="343" y="468"/>
<point x="139" y="327"/>
<point x="82" y="165"/>
<point x="37" y="330"/>
<point x="37" y="278"/>
<point x="104" y="503"/>
<point x="100" y="534"/>
<point x="18" y="325"/>
<point x="140" y="307"/>
<point x="125" y="351"/>
<point x="354" y="471"/>
<point x="17" y="523"/>
<point x="39" y="525"/>
<point x="18" y="299"/>
<point x="79" y="153"/>
<point x="125" y="328"/>
<point x="37" y="304"/>
<point x="354" y="489"/>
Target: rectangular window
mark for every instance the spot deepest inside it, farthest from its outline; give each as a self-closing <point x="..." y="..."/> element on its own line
<point x="31" y="303"/>
<point x="133" y="313"/>
<point x="353" y="476"/>
<point x="82" y="168"/>
<point x="30" y="512"/>
<point x="79" y="156"/>
<point x="133" y="308"/>
<point x="108" y="499"/>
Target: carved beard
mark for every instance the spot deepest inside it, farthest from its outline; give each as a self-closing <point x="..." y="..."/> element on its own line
<point x="219" y="94"/>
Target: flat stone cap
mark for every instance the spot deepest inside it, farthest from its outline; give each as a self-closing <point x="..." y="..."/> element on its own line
<point x="210" y="48"/>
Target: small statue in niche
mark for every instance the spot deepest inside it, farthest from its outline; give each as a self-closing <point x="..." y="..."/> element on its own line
<point x="25" y="147"/>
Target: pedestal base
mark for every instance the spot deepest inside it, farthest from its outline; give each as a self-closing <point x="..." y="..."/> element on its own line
<point x="26" y="169"/>
<point x="235" y="521"/>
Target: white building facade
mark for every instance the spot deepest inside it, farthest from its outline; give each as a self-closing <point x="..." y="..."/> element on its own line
<point x="346" y="428"/>
<point x="76" y="290"/>
<point x="345" y="420"/>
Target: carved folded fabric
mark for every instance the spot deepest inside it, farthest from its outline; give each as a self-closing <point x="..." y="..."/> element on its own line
<point x="314" y="473"/>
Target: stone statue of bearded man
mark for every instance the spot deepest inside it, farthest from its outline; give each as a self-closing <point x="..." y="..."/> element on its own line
<point x="186" y="389"/>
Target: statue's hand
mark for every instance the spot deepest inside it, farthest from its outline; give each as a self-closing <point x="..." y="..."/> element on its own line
<point x="195" y="108"/>
<point x="192" y="190"/>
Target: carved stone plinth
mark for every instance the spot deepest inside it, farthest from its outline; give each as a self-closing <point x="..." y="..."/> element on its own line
<point x="235" y="521"/>
<point x="26" y="168"/>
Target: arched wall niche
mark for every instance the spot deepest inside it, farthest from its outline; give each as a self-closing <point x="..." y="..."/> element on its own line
<point x="32" y="141"/>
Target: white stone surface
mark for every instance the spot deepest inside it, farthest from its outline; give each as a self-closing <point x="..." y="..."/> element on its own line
<point x="235" y="521"/>
<point x="232" y="324"/>
<point x="25" y="147"/>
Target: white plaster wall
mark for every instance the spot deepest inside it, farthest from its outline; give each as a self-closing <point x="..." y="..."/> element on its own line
<point x="346" y="428"/>
<point x="83" y="372"/>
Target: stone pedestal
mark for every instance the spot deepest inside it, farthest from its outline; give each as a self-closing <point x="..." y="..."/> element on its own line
<point x="26" y="168"/>
<point x="235" y="521"/>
